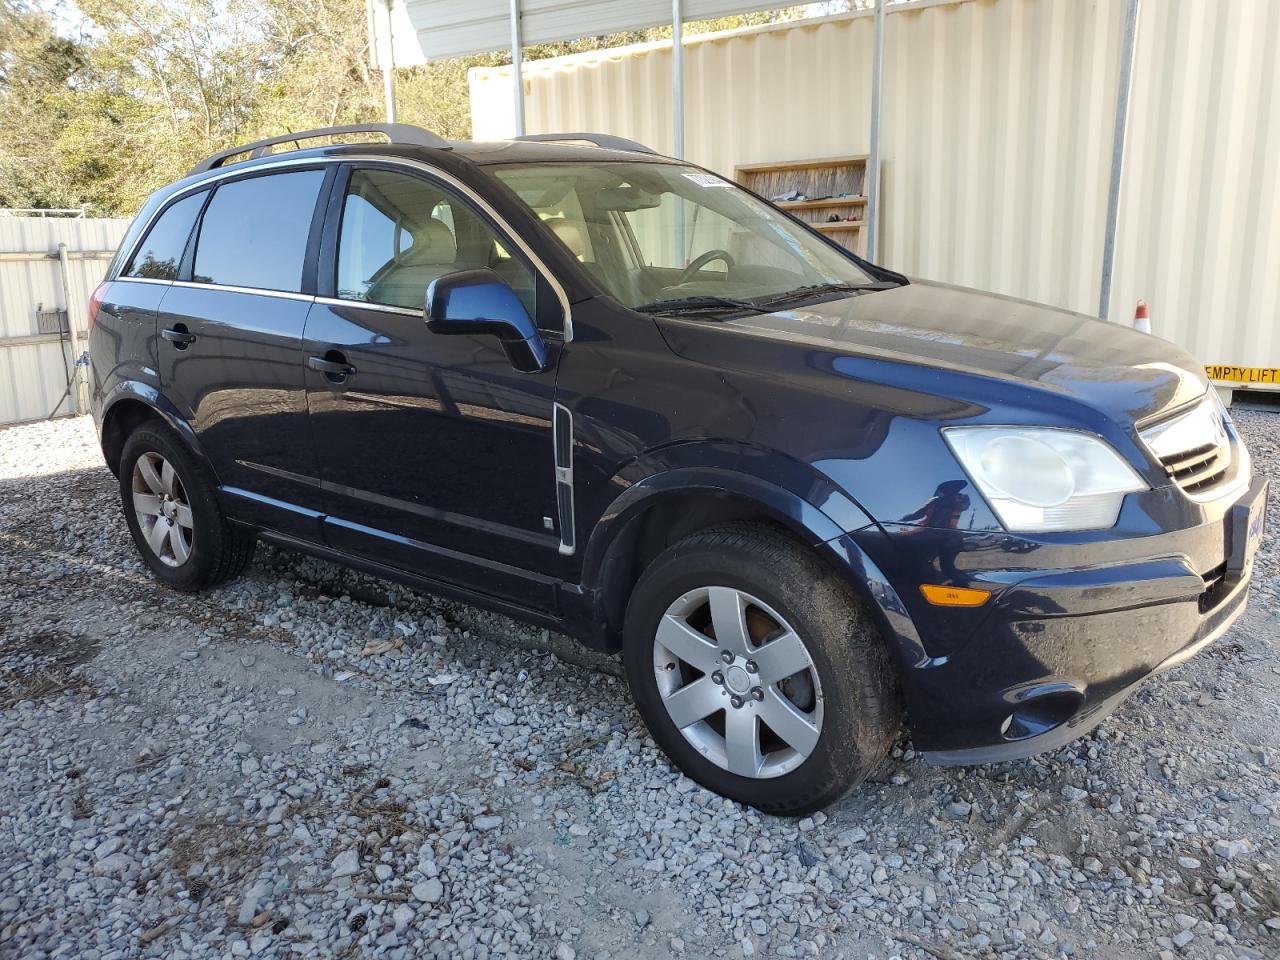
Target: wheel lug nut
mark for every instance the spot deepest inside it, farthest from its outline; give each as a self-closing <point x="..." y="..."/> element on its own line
<point x="727" y="656"/>
<point x="757" y="693"/>
<point x="736" y="701"/>
<point x="751" y="666"/>
<point x="717" y="677"/>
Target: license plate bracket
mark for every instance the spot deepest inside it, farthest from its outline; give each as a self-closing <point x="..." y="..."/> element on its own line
<point x="1247" y="524"/>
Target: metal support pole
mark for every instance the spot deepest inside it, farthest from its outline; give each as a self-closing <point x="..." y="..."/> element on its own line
<point x="73" y="328"/>
<point x="517" y="67"/>
<point x="1123" y="88"/>
<point x="388" y="66"/>
<point x="677" y="77"/>
<point x="873" y="159"/>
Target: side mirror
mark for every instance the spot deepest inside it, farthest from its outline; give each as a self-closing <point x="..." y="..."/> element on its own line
<point x="479" y="302"/>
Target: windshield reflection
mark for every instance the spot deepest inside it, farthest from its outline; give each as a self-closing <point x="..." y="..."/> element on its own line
<point x="663" y="235"/>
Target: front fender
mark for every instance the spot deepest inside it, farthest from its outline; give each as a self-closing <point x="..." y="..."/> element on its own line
<point x="790" y="492"/>
<point x="770" y="485"/>
<point x="801" y="517"/>
<point x="845" y="550"/>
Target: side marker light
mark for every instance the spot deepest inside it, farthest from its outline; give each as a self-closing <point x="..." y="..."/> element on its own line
<point x="954" y="596"/>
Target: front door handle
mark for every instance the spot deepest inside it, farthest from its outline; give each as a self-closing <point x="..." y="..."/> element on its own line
<point x="333" y="365"/>
<point x="179" y="336"/>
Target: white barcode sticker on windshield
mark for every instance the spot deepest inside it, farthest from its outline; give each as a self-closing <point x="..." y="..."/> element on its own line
<point x="706" y="179"/>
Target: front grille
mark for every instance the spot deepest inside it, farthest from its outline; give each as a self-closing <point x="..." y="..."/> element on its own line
<point x="1200" y="468"/>
<point x="1194" y="447"/>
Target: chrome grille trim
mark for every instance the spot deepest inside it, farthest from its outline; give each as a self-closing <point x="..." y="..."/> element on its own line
<point x="1194" y="447"/>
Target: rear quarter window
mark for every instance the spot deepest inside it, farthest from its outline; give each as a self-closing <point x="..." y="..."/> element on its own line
<point x="160" y="254"/>
<point x="254" y="232"/>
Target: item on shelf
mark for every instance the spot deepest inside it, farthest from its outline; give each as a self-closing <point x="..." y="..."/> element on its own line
<point x="828" y="193"/>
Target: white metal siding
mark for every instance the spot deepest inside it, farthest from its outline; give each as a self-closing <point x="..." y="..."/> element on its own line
<point x="33" y="369"/>
<point x="1199" y="231"/>
<point x="996" y="146"/>
<point x="34" y="377"/>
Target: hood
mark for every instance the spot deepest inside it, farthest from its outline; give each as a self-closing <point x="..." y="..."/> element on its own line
<point x="1128" y="375"/>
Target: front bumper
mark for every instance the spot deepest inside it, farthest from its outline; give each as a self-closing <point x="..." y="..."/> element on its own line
<point x="1057" y="649"/>
<point x="1031" y="716"/>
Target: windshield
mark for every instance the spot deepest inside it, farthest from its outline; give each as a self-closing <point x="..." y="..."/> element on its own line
<point x="666" y="236"/>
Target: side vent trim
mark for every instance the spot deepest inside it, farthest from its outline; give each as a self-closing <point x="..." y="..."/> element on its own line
<point x="562" y="438"/>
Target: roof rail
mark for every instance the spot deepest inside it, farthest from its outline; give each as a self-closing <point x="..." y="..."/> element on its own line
<point x="395" y="132"/>
<point x="606" y="140"/>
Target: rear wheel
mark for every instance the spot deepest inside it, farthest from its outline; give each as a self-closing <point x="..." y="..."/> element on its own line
<point x="758" y="671"/>
<point x="172" y="511"/>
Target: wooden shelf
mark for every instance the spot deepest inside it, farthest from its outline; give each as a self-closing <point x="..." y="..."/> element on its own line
<point x="857" y="160"/>
<point x="821" y="204"/>
<point x="825" y="178"/>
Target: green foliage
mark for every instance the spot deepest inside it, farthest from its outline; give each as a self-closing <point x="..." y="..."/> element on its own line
<point x="103" y="111"/>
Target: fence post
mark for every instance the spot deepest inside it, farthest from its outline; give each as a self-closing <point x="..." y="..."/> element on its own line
<point x="872" y="187"/>
<point x="1127" y="53"/>
<point x="73" y="328"/>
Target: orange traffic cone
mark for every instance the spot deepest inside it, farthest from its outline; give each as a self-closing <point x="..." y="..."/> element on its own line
<point x="1142" y="318"/>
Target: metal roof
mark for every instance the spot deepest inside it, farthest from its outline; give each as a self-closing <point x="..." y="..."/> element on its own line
<point x="426" y="30"/>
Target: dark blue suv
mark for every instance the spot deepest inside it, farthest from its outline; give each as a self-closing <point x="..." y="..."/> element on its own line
<point x="611" y="393"/>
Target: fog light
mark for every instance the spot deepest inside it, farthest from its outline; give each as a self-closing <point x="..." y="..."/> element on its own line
<point x="1040" y="713"/>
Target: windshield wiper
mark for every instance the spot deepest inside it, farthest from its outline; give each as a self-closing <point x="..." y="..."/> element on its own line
<point x="698" y="304"/>
<point x="817" y="289"/>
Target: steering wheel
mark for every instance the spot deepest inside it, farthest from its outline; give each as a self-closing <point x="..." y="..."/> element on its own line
<point x="702" y="260"/>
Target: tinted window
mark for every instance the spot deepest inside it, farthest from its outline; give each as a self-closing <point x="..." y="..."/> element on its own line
<point x="254" y="232"/>
<point x="161" y="253"/>
<point x="400" y="232"/>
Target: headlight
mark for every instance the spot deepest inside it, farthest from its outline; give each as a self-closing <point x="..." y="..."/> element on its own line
<point x="1040" y="479"/>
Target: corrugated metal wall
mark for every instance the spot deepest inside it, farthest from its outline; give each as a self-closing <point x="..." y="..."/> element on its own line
<point x="34" y="367"/>
<point x="1200" y="224"/>
<point x="997" y="123"/>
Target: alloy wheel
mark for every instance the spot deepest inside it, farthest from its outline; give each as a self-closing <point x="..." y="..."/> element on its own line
<point x="738" y="682"/>
<point x="163" y="511"/>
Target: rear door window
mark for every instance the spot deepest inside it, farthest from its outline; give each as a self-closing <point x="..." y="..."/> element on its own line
<point x="160" y="255"/>
<point x="254" y="232"/>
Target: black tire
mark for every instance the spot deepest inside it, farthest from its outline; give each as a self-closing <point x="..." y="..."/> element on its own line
<point x="862" y="711"/>
<point x="219" y="551"/>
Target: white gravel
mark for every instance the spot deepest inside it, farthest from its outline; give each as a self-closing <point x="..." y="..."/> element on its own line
<point x="240" y="774"/>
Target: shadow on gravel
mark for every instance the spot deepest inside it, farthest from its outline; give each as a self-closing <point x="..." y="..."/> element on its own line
<point x="48" y="668"/>
<point x="31" y="533"/>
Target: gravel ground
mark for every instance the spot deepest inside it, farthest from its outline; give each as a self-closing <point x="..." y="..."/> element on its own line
<point x="313" y="762"/>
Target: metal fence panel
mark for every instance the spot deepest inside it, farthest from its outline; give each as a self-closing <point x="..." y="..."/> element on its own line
<point x="33" y="364"/>
<point x="35" y="376"/>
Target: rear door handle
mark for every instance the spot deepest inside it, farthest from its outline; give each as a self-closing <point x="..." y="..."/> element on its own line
<point x="335" y="370"/>
<point x="179" y="336"/>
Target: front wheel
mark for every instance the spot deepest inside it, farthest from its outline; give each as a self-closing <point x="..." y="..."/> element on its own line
<point x="758" y="671"/>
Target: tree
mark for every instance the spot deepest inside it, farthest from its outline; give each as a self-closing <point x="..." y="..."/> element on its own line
<point x="104" y="112"/>
<point x="38" y="71"/>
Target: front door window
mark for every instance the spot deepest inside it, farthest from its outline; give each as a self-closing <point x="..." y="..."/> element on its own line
<point x="399" y="232"/>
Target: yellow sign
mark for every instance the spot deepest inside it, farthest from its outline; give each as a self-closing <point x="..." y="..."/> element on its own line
<point x="1269" y="375"/>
